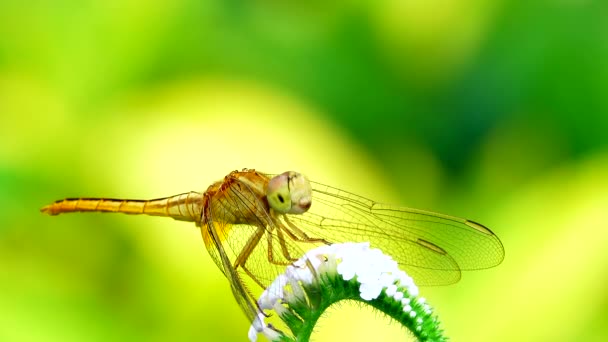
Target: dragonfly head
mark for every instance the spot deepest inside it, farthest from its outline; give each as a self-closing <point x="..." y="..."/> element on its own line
<point x="289" y="193"/>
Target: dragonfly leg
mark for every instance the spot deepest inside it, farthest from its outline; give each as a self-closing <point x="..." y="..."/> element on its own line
<point x="279" y="229"/>
<point x="285" y="251"/>
<point x="295" y="234"/>
<point x="302" y="237"/>
<point x="283" y="246"/>
<point x="252" y="276"/>
<point x="249" y="246"/>
<point x="241" y="260"/>
<point x="251" y="296"/>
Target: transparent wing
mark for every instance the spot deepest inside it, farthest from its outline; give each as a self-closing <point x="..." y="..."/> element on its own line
<point x="433" y="248"/>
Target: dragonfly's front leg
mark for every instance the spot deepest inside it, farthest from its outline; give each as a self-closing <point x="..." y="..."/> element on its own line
<point x="295" y="234"/>
<point x="302" y="237"/>
<point x="290" y="259"/>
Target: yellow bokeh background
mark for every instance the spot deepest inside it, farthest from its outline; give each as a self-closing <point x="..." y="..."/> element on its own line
<point x="491" y="110"/>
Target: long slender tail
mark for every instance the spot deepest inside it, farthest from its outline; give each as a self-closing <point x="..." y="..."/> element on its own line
<point x="185" y="207"/>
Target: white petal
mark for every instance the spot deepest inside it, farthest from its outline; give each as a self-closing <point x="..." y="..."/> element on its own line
<point x="252" y="334"/>
<point x="346" y="270"/>
<point x="370" y="291"/>
<point x="391" y="290"/>
<point x="271" y="334"/>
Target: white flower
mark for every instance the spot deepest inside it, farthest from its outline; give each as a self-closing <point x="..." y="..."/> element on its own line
<point x="374" y="271"/>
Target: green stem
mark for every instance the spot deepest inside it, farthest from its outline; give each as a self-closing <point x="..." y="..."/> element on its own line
<point x="302" y="315"/>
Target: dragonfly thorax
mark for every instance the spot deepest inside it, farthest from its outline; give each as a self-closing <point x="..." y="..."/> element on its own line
<point x="239" y="199"/>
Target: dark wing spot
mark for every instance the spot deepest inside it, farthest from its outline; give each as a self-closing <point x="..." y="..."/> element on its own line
<point x="479" y="227"/>
<point x="431" y="246"/>
<point x="281" y="199"/>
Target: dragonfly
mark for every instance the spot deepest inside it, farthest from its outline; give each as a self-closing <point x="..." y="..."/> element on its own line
<point x="254" y="224"/>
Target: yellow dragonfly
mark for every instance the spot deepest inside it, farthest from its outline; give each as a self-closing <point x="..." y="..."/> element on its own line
<point x="255" y="224"/>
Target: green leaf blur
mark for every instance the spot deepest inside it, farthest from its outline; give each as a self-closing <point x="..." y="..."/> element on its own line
<point x="495" y="111"/>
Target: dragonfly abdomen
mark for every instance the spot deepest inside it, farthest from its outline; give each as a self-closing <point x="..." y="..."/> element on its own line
<point x="185" y="207"/>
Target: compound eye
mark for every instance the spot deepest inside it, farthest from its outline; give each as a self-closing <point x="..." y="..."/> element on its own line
<point x="278" y="194"/>
<point x="289" y="193"/>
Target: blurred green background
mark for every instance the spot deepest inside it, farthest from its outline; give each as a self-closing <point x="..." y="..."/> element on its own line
<point x="491" y="110"/>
